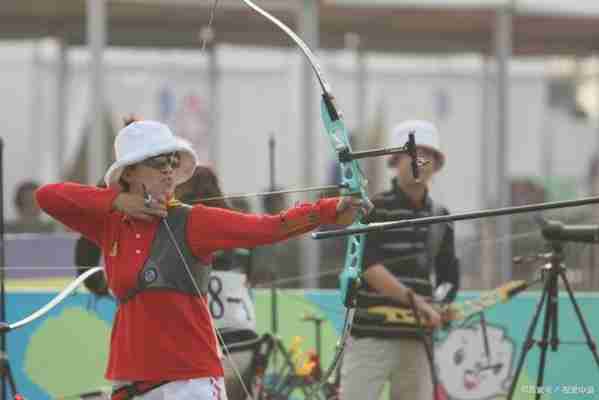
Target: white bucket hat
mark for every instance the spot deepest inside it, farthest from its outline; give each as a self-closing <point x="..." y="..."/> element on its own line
<point x="144" y="139"/>
<point x="425" y="135"/>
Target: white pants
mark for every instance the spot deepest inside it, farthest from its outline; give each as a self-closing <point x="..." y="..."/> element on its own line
<point x="191" y="389"/>
<point x="368" y="363"/>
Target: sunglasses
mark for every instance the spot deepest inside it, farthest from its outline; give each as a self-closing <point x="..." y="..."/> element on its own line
<point x="162" y="161"/>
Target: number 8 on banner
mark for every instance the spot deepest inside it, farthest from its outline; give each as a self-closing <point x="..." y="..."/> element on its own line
<point x="229" y="301"/>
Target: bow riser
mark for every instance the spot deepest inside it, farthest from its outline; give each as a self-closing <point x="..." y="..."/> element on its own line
<point x="350" y="278"/>
<point x="353" y="181"/>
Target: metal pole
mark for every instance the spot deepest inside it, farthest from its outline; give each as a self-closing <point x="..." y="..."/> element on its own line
<point x="273" y="270"/>
<point x="208" y="36"/>
<point x="318" y="327"/>
<point x="37" y="157"/>
<point x="594" y="189"/>
<point x="61" y="106"/>
<point x="503" y="52"/>
<point x="309" y="24"/>
<point x="2" y="277"/>
<point x="214" y="98"/>
<point x="486" y="130"/>
<point x="96" y="41"/>
<point x="488" y="250"/>
<point x="352" y="44"/>
<point x="361" y="89"/>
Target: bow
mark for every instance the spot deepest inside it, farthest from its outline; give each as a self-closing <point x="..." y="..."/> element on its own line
<point x="352" y="181"/>
<point x="6" y="327"/>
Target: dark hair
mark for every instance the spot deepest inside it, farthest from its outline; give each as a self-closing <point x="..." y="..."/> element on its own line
<point x="22" y="190"/>
<point x="87" y="256"/>
<point x="203" y="184"/>
<point x="131" y="118"/>
<point x="101" y="183"/>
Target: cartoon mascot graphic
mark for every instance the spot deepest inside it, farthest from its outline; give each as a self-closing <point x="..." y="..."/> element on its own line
<point x="469" y="370"/>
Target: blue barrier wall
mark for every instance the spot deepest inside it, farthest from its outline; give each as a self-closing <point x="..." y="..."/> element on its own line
<point x="65" y="352"/>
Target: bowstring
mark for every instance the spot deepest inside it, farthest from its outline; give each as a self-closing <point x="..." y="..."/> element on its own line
<point x="208" y="36"/>
<point x="205" y="304"/>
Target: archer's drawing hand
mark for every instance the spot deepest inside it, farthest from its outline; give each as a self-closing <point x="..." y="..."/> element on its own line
<point x="136" y="206"/>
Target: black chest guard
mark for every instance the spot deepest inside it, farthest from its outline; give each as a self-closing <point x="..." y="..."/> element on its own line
<point x="164" y="268"/>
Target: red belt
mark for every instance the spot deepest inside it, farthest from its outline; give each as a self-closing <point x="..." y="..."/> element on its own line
<point x="131" y="390"/>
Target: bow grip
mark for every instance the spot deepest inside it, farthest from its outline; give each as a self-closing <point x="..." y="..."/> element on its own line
<point x="350" y="284"/>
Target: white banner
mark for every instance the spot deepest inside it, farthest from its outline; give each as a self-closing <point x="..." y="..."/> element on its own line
<point x="229" y="301"/>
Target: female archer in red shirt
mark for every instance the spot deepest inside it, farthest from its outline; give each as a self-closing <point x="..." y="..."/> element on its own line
<point x="157" y="254"/>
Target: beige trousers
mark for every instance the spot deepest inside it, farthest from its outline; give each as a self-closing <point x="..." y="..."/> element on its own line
<point x="368" y="363"/>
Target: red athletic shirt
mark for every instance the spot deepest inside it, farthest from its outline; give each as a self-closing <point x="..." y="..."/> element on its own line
<point x="163" y="334"/>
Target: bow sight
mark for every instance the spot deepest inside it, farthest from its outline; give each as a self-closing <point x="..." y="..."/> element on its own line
<point x="346" y="155"/>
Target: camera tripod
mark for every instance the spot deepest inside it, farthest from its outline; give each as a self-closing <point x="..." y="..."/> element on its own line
<point x="6" y="375"/>
<point x="552" y="272"/>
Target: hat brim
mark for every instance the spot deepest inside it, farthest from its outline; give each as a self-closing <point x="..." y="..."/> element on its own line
<point x="189" y="161"/>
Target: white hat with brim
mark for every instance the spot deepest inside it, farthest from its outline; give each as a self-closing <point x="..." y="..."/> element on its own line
<point x="141" y="140"/>
<point x="425" y="135"/>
